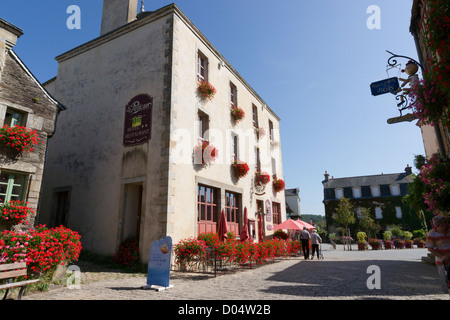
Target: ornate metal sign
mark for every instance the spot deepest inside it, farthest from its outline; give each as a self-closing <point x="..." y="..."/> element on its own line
<point x="138" y="120"/>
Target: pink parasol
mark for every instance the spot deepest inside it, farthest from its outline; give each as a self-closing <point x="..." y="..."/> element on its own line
<point x="289" y="225"/>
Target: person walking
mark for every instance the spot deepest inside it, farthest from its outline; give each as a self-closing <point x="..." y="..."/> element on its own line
<point x="316" y="240"/>
<point x="438" y="243"/>
<point x="304" y="237"/>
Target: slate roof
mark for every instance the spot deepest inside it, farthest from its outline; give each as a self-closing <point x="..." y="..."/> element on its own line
<point x="380" y="179"/>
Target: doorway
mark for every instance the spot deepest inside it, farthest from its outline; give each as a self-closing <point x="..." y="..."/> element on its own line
<point x="260" y="215"/>
<point x="131" y="221"/>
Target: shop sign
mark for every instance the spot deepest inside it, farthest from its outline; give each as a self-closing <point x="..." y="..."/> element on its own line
<point x="138" y="120"/>
<point x="390" y="85"/>
<point x="159" y="263"/>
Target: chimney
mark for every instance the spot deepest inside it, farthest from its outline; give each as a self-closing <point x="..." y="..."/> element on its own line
<point x="408" y="169"/>
<point x="117" y="13"/>
<point x="326" y="176"/>
<point x="9" y="34"/>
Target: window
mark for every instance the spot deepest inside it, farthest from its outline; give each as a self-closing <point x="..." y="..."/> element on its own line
<point x="207" y="203"/>
<point x="12" y="186"/>
<point x="202" y="67"/>
<point x="271" y="130"/>
<point x="398" y="212"/>
<point x="395" y="190"/>
<point x="14" y="118"/>
<point x="274" y="167"/>
<point x="255" y="116"/>
<point x="375" y="191"/>
<point x="339" y="193"/>
<point x="203" y="125"/>
<point x="378" y="213"/>
<point x="233" y="95"/>
<point x="257" y="160"/>
<point x="234" y="146"/>
<point x="232" y="211"/>
<point x="276" y="213"/>
<point x="356" y="193"/>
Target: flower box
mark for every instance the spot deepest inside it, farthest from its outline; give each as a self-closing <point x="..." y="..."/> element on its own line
<point x="362" y="246"/>
<point x="388" y="244"/>
<point x="375" y="244"/>
<point x="420" y="243"/>
<point x="206" y="90"/>
<point x="240" y="168"/>
<point x="237" y="113"/>
<point x="399" y="244"/>
<point x="19" y="138"/>
<point x="278" y="185"/>
<point x="262" y="178"/>
<point x="205" y="153"/>
<point x="409" y="244"/>
<point x="13" y="213"/>
<point x="260" y="132"/>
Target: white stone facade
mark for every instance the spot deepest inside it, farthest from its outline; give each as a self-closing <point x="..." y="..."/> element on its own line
<point x="108" y="184"/>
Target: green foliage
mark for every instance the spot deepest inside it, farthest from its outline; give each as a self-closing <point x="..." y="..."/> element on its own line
<point x="421" y="234"/>
<point x="387" y="235"/>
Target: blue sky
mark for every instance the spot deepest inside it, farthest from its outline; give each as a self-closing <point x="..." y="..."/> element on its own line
<point x="311" y="61"/>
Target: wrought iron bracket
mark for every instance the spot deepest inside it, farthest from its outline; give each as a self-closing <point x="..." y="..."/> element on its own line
<point x="394" y="61"/>
<point x="403" y="99"/>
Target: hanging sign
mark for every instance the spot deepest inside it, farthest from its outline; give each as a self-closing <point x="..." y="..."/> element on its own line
<point x="407" y="117"/>
<point x="138" y="120"/>
<point x="384" y="86"/>
<point x="158" y="275"/>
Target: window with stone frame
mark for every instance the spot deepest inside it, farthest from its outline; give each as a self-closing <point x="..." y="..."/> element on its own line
<point x="207" y="204"/>
<point x="12" y="186"/>
<point x="202" y="67"/>
<point x="233" y="95"/>
<point x="14" y="118"/>
<point x="233" y="211"/>
<point x="276" y="213"/>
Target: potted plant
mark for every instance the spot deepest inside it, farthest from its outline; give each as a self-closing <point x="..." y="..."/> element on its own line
<point x="375" y="244"/>
<point x="206" y="90"/>
<point x="240" y="168"/>
<point x="419" y="243"/>
<point x="262" y="177"/>
<point x="13" y="213"/>
<point x="387" y="240"/>
<point x="408" y="242"/>
<point x="19" y="138"/>
<point x="237" y="113"/>
<point x="260" y="132"/>
<point x="278" y="185"/>
<point x="399" y="243"/>
<point x="205" y="153"/>
<point x="361" y="239"/>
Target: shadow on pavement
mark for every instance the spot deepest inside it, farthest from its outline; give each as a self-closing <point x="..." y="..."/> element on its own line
<point x="349" y="278"/>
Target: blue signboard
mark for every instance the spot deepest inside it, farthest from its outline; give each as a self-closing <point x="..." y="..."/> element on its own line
<point x="159" y="263"/>
<point x="385" y="86"/>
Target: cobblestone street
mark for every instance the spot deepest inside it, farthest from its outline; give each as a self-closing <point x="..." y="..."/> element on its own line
<point x="342" y="275"/>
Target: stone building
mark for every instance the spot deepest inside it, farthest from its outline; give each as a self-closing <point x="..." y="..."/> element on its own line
<point x="23" y="103"/>
<point x="123" y="163"/>
<point x="382" y="194"/>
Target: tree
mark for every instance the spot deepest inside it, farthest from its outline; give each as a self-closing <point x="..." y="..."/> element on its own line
<point x="344" y="216"/>
<point x="367" y="223"/>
